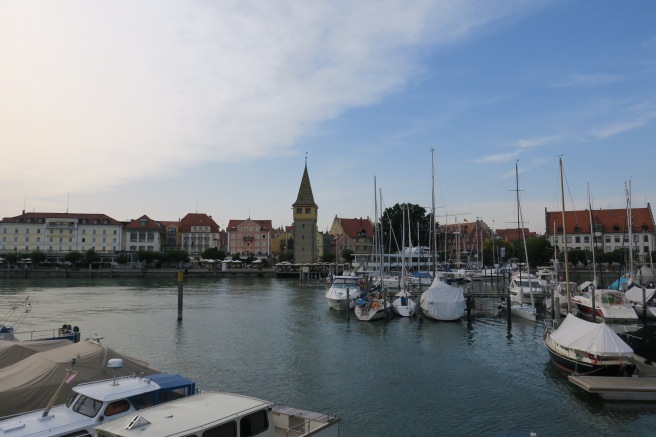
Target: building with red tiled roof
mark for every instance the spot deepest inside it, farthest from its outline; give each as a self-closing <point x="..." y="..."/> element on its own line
<point x="514" y="234"/>
<point x="143" y="233"/>
<point x="198" y="232"/>
<point x="611" y="229"/>
<point x="59" y="233"/>
<point x="249" y="237"/>
<point x="354" y="234"/>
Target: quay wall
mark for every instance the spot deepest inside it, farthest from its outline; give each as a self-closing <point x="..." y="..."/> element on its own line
<point x="138" y="273"/>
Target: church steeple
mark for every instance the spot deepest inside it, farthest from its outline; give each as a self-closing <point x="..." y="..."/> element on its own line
<point x="305" y="222"/>
<point x="305" y="196"/>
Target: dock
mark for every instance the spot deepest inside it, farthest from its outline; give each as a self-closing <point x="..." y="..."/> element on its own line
<point x="618" y="388"/>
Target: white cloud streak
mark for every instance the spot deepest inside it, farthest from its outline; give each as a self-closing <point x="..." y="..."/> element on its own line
<point x="113" y="92"/>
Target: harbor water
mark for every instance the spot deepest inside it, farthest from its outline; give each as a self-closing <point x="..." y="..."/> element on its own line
<point x="276" y="340"/>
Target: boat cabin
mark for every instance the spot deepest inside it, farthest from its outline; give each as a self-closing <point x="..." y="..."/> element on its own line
<point x="221" y="414"/>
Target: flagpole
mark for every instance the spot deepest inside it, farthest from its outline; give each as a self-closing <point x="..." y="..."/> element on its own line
<point x="70" y="374"/>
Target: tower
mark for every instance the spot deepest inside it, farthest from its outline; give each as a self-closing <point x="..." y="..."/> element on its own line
<point x="305" y="222"/>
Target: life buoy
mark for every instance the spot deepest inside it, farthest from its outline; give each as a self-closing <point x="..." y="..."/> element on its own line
<point x="375" y="305"/>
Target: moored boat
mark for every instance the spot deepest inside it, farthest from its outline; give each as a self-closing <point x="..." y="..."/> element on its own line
<point x="609" y="305"/>
<point x="582" y="347"/>
<point x="98" y="402"/>
<point x="442" y="301"/>
<point x="343" y="292"/>
<point x="222" y="414"/>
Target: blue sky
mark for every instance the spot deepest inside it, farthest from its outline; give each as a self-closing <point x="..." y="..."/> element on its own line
<point x="164" y="108"/>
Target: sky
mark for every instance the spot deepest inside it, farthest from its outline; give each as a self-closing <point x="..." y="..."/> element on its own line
<point x="165" y="108"/>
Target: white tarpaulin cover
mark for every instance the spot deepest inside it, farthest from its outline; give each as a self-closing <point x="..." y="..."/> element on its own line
<point x="635" y="294"/>
<point x="443" y="301"/>
<point x="13" y="351"/>
<point x="29" y="384"/>
<point x="594" y="338"/>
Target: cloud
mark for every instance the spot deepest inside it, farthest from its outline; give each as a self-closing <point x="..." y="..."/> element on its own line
<point x="589" y="80"/>
<point x="105" y="93"/>
<point x="616" y="128"/>
<point x="520" y="145"/>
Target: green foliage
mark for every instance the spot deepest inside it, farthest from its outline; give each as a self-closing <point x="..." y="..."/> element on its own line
<point x="213" y="253"/>
<point x="37" y="257"/>
<point x="328" y="257"/>
<point x="496" y="245"/>
<point x="347" y="255"/>
<point x="392" y="223"/>
<point x="148" y="256"/>
<point x="73" y="257"/>
<point x="122" y="259"/>
<point x="91" y="256"/>
<point x="175" y="256"/>
<point x="11" y="258"/>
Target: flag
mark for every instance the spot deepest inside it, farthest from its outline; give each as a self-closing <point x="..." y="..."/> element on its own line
<point x="71" y="376"/>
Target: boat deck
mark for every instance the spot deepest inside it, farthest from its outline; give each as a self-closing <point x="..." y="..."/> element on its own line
<point x="618" y="388"/>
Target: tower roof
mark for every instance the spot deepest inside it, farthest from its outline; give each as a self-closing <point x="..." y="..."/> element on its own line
<point x="305" y="197"/>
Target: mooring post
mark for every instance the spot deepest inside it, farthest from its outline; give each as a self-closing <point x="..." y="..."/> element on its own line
<point x="348" y="303"/>
<point x="508" y="306"/>
<point x="180" y="287"/>
<point x="644" y="304"/>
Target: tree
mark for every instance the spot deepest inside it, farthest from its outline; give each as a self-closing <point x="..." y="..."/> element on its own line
<point x="328" y="257"/>
<point x="73" y="257"/>
<point x="392" y="223"/>
<point x="346" y="255"/>
<point x="91" y="256"/>
<point x="11" y="258"/>
<point x="213" y="253"/>
<point x="37" y="257"/>
<point x="175" y="256"/>
<point x="122" y="259"/>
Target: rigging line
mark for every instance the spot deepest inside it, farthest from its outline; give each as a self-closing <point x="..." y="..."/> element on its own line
<point x="571" y="199"/>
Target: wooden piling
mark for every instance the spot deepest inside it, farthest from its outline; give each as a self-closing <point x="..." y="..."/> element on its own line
<point x="180" y="288"/>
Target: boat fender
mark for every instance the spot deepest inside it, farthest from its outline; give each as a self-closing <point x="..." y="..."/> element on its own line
<point x="375" y="305"/>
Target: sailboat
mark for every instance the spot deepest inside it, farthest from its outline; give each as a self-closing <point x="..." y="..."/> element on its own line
<point x="374" y="305"/>
<point x="441" y="301"/>
<point x="520" y="308"/>
<point x="403" y="305"/>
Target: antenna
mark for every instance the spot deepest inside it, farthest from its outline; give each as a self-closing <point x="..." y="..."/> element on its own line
<point x="68" y="195"/>
<point x="115" y="364"/>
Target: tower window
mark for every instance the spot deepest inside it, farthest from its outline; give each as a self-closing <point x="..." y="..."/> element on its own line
<point x="308" y="210"/>
<point x="299" y="210"/>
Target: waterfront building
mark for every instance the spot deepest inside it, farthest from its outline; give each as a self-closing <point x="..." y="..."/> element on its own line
<point x="249" y="237"/>
<point x="171" y="236"/>
<point x="305" y="213"/>
<point x="514" y="234"/>
<point x="609" y="230"/>
<point x="59" y="233"/>
<point x="198" y="232"/>
<point x="144" y="234"/>
<point x="353" y="234"/>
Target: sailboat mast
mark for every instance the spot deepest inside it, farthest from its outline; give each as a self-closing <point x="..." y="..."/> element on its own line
<point x="592" y="242"/>
<point x="630" y="225"/>
<point x="562" y="199"/>
<point x="433" y="221"/>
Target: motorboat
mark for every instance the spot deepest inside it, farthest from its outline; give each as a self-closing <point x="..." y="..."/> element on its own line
<point x="528" y="286"/>
<point x="343" y="292"/>
<point x="545" y="276"/>
<point x="442" y="301"/>
<point x="582" y="347"/>
<point x="609" y="305"/>
<point x="643" y="302"/>
<point x="98" y="402"/>
<point x="404" y="305"/>
<point x="18" y="312"/>
<point x="221" y="414"/>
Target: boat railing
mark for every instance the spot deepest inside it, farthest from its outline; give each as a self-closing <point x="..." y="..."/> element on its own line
<point x="306" y="425"/>
<point x="44" y="333"/>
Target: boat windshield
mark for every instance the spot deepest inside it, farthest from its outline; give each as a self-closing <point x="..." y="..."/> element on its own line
<point x="525" y="283"/>
<point x="617" y="298"/>
<point x="87" y="406"/>
<point x="345" y="283"/>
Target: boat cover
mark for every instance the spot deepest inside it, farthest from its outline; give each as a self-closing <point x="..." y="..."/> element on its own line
<point x="443" y="301"/>
<point x="635" y="294"/>
<point x="13" y="351"/>
<point x="593" y="338"/>
<point x="30" y="384"/>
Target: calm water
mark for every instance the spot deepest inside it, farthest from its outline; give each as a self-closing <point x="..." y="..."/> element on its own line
<point x="272" y="339"/>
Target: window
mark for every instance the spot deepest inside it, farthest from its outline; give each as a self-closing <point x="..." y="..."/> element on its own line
<point x="308" y="210"/>
<point x="87" y="406"/>
<point x="577" y="239"/>
<point x="617" y="238"/>
<point x="645" y="238"/>
<point x="225" y="430"/>
<point x="586" y="239"/>
<point x="607" y="238"/>
<point x="253" y="424"/>
<point x="299" y="210"/>
<point x="117" y="407"/>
